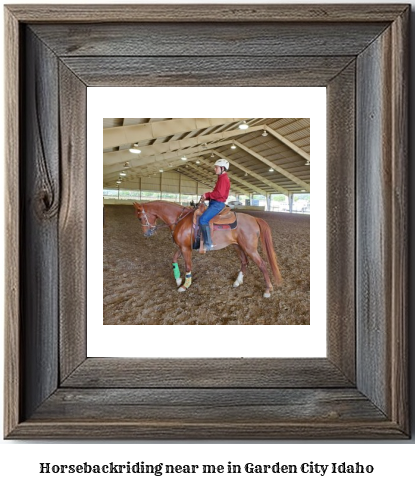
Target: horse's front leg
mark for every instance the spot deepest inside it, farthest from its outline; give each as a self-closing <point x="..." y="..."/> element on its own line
<point x="187" y="256"/>
<point x="176" y="269"/>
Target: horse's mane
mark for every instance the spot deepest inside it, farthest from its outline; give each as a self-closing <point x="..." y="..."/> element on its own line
<point x="165" y="201"/>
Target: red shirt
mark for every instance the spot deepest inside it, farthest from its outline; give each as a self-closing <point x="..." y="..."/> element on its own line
<point x="221" y="190"/>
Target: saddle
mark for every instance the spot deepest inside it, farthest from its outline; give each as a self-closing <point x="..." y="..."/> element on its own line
<point x="224" y="220"/>
<point x="224" y="217"/>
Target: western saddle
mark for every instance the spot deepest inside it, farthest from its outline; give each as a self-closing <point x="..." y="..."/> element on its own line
<point x="224" y="220"/>
<point x="224" y="217"/>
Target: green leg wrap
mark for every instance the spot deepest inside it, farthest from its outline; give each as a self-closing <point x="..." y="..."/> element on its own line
<point x="176" y="271"/>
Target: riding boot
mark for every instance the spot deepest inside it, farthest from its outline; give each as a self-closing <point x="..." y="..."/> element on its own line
<point x="206" y="238"/>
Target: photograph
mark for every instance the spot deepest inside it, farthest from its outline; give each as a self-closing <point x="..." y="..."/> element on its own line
<point x="176" y="189"/>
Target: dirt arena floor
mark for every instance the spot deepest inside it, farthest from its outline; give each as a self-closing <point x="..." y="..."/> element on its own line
<point x="139" y="287"/>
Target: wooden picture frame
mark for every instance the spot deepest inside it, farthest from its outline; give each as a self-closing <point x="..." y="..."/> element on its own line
<point x="360" y="53"/>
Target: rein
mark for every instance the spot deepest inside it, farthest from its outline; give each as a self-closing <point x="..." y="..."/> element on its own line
<point x="153" y="228"/>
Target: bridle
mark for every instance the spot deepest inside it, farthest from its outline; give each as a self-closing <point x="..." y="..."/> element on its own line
<point x="153" y="228"/>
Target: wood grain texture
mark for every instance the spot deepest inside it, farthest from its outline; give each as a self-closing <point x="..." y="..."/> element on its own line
<point x="341" y="235"/>
<point x="39" y="213"/>
<point x="246" y="427"/>
<point x="13" y="383"/>
<point x="374" y="221"/>
<point x="209" y="405"/>
<point x="213" y="431"/>
<point x="382" y="223"/>
<point x="72" y="222"/>
<point x="205" y="13"/>
<point x="206" y="373"/>
<point x="400" y="246"/>
<point x="207" y="39"/>
<point x="201" y="71"/>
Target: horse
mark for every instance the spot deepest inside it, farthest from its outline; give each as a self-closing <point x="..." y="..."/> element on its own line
<point x="244" y="238"/>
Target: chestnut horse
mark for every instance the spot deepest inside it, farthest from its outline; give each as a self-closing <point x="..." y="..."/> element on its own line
<point x="244" y="237"/>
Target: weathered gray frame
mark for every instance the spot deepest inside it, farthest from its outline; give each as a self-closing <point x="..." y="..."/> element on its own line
<point x="52" y="390"/>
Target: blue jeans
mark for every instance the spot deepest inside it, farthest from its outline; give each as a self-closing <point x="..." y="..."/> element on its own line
<point x="214" y="208"/>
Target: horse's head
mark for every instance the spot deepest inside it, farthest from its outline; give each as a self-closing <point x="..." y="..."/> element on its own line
<point x="147" y="219"/>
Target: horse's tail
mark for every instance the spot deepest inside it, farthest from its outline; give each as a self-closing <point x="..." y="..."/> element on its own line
<point x="267" y="246"/>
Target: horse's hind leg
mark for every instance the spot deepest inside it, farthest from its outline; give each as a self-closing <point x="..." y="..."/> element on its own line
<point x="176" y="269"/>
<point x="244" y="263"/>
<point x="255" y="256"/>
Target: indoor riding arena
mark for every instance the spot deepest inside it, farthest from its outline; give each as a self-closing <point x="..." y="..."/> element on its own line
<point x="269" y="171"/>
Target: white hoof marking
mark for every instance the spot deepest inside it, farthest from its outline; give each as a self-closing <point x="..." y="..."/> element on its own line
<point x="239" y="280"/>
<point x="267" y="294"/>
<point x="179" y="281"/>
<point x="182" y="289"/>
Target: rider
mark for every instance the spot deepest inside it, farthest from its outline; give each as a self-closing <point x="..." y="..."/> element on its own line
<point x="217" y="199"/>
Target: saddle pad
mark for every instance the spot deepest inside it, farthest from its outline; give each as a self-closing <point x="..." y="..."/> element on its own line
<point x="230" y="226"/>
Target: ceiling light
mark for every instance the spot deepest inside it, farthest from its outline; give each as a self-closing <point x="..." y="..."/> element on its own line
<point x="303" y="191"/>
<point x="123" y="173"/>
<point x="119" y="181"/>
<point x="233" y="146"/>
<point x="246" y="174"/>
<point x="183" y="158"/>
<point x="212" y="155"/>
<point x="265" y="133"/>
<point x="197" y="162"/>
<point x="160" y="171"/>
<point x="271" y="170"/>
<point x="243" y="126"/>
<point x="307" y="163"/>
<point x="135" y="149"/>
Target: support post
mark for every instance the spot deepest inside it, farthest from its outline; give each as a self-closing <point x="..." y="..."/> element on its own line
<point x="290" y="202"/>
<point x="268" y="199"/>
